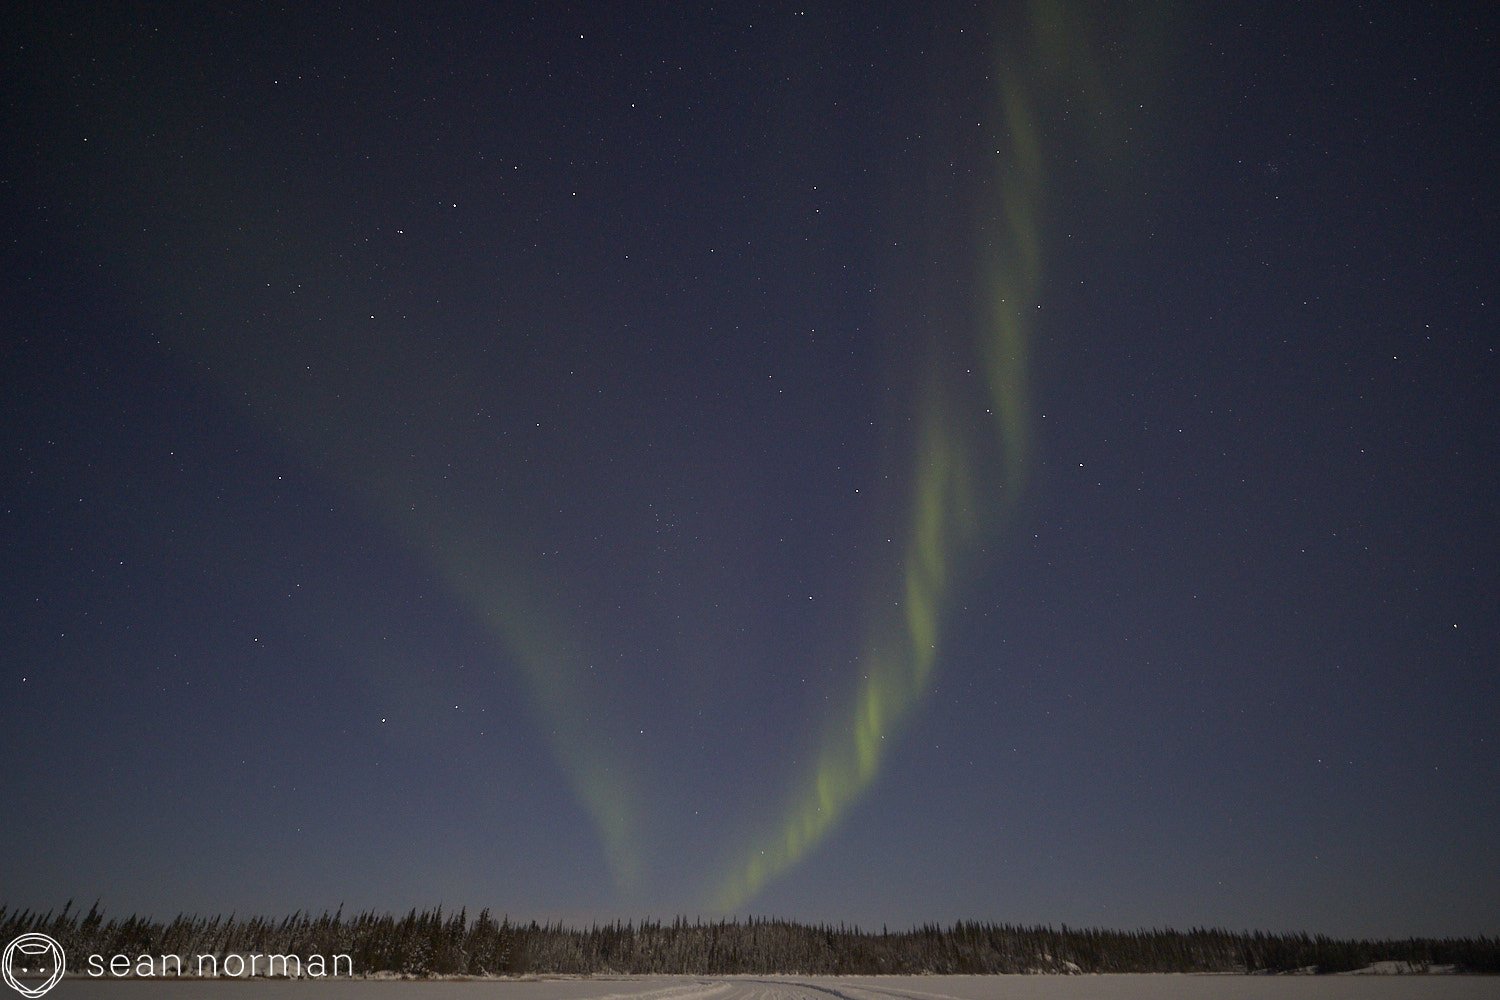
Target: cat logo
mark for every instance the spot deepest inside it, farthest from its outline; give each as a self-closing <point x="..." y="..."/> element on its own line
<point x="34" y="957"/>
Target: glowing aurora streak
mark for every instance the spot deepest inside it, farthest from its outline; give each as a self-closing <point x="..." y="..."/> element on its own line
<point x="955" y="498"/>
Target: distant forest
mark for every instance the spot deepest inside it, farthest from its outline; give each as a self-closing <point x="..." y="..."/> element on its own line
<point x="432" y="943"/>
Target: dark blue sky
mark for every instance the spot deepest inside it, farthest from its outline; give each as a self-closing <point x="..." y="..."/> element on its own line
<point x="880" y="465"/>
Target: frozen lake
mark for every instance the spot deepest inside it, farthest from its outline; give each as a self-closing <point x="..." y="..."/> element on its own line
<point x="1165" y="987"/>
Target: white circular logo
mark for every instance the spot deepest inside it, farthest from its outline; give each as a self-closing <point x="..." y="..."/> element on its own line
<point x="33" y="956"/>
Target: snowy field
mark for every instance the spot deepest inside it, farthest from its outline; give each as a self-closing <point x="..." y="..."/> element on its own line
<point x="816" y="988"/>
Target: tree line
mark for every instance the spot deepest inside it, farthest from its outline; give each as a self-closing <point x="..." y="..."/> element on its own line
<point x="432" y="943"/>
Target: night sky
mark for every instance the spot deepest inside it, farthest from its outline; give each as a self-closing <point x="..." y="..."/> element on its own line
<point x="1028" y="463"/>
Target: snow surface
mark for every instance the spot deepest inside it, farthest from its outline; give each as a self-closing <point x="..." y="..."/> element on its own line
<point x="1165" y="987"/>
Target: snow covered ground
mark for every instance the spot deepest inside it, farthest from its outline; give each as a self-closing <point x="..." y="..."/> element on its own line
<point x="1385" y="987"/>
